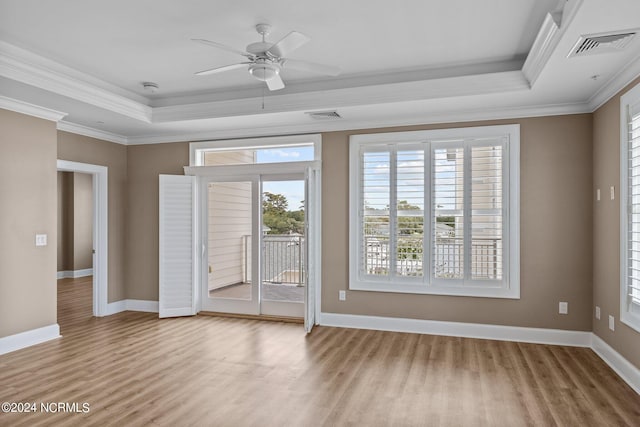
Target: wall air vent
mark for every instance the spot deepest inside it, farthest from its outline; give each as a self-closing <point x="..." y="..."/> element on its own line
<point x="601" y="43"/>
<point x="324" y="115"/>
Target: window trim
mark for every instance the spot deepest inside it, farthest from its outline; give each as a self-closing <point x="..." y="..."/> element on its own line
<point x="510" y="285"/>
<point x="629" y="315"/>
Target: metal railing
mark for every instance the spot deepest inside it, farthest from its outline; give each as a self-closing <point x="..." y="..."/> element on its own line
<point x="283" y="258"/>
<point x="448" y="257"/>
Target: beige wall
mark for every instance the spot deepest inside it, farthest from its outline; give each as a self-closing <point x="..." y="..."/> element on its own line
<point x="556" y="230"/>
<point x="606" y="230"/>
<point x="556" y="242"/>
<point x="65" y="221"/>
<point x="75" y="221"/>
<point x="83" y="149"/>
<point x="145" y="164"/>
<point x="27" y="207"/>
<point x="82" y="221"/>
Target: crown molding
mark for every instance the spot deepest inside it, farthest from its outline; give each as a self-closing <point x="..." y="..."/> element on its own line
<point x="475" y="115"/>
<point x="26" y="67"/>
<point x="549" y="35"/>
<point x="374" y="94"/>
<point x="618" y="82"/>
<point x="91" y="132"/>
<point x="30" y="109"/>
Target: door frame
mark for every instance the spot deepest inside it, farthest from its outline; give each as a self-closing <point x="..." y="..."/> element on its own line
<point x="100" y="236"/>
<point x="232" y="171"/>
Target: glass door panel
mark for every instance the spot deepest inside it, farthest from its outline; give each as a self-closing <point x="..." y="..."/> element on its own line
<point x="283" y="249"/>
<point x="230" y="244"/>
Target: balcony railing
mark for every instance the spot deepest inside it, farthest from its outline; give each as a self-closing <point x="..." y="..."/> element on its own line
<point x="282" y="258"/>
<point x="448" y="257"/>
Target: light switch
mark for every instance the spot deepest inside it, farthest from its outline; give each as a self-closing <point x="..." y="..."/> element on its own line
<point x="563" y="308"/>
<point x="598" y="194"/>
<point x="41" y="240"/>
<point x="612" y="323"/>
<point x="597" y="312"/>
<point x="612" y="190"/>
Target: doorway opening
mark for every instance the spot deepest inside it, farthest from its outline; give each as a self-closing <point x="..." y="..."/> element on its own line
<point x="90" y="181"/>
<point x="75" y="245"/>
<point x="256" y="246"/>
<point x="240" y="231"/>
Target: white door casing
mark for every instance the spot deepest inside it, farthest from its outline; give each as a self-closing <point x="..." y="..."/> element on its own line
<point x="100" y="175"/>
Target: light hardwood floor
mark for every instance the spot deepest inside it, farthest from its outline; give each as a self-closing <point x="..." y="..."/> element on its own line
<point x="134" y="369"/>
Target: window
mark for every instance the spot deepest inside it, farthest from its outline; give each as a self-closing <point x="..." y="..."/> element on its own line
<point x="630" y="208"/>
<point x="436" y="212"/>
<point x="282" y="149"/>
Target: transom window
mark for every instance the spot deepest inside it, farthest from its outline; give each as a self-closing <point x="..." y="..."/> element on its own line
<point x="282" y="149"/>
<point x="630" y="208"/>
<point x="435" y="212"/>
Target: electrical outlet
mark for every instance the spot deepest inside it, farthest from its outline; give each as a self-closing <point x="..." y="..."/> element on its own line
<point x="41" y="240"/>
<point x="597" y="312"/>
<point x="563" y="308"/>
<point x="342" y="295"/>
<point x="612" y="323"/>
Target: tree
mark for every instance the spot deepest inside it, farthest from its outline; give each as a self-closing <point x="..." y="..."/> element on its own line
<point x="278" y="218"/>
<point x="274" y="203"/>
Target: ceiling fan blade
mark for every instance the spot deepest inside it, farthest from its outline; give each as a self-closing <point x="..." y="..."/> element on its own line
<point x="287" y="44"/>
<point x="275" y="83"/>
<point x="221" y="69"/>
<point x="224" y="47"/>
<point x="311" y="67"/>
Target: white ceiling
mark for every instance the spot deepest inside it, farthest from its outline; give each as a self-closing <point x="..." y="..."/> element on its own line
<point x="414" y="61"/>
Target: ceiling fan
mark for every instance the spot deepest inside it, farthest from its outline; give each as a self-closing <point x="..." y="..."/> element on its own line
<point x="265" y="60"/>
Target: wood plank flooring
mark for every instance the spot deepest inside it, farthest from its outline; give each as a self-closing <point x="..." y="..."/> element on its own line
<point x="137" y="370"/>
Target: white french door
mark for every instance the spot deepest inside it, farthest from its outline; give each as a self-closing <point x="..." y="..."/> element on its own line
<point x="252" y="262"/>
<point x="239" y="264"/>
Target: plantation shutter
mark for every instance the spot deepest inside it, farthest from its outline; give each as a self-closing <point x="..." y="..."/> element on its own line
<point x="375" y="205"/>
<point x="448" y="205"/>
<point x="486" y="257"/>
<point x="408" y="218"/>
<point x="633" y="209"/>
<point x="177" y="255"/>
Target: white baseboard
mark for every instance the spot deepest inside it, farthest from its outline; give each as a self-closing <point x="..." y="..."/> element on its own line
<point x="115" y="307"/>
<point x="74" y="274"/>
<point x="132" y="305"/>
<point x="456" y="329"/>
<point x="29" y="338"/>
<point x="627" y="371"/>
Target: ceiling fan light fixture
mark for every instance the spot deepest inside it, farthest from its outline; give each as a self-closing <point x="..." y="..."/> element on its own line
<point x="264" y="71"/>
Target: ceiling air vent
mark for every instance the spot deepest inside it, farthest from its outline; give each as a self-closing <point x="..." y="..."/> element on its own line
<point x="601" y="43"/>
<point x="324" y="115"/>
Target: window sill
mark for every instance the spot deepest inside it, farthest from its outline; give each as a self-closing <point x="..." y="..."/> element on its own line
<point x="631" y="319"/>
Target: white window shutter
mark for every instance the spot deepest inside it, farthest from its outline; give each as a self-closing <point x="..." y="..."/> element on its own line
<point x="177" y="255"/>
